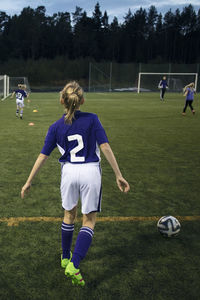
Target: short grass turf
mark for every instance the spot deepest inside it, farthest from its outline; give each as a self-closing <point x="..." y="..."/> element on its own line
<point x="158" y="152"/>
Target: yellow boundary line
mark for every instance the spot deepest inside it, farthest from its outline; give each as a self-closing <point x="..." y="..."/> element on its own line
<point x="15" y="221"/>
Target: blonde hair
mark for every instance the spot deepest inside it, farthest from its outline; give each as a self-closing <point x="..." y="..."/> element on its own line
<point x="188" y="86"/>
<point x="72" y="96"/>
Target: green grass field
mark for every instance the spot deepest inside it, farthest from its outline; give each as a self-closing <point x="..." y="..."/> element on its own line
<point x="158" y="152"/>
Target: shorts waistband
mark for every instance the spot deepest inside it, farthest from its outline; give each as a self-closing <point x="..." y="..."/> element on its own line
<point x="79" y="165"/>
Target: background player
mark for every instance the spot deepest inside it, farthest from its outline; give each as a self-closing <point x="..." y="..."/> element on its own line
<point x="20" y="94"/>
<point x="163" y="86"/>
<point x="77" y="135"/>
<point x="189" y="93"/>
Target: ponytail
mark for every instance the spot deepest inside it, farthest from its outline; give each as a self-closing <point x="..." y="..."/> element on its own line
<point x="72" y="96"/>
<point x="185" y="88"/>
<point x="190" y="85"/>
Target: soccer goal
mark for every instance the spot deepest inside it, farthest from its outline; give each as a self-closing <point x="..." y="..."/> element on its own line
<point x="10" y="84"/>
<point x="176" y="81"/>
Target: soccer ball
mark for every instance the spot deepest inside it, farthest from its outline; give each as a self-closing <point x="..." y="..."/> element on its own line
<point x="168" y="226"/>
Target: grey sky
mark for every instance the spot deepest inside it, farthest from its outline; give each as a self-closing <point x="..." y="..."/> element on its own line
<point x="117" y="8"/>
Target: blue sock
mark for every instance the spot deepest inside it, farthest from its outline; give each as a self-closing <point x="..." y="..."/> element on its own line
<point x="67" y="234"/>
<point x="83" y="242"/>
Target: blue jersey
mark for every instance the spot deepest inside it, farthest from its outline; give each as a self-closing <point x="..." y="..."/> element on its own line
<point x="77" y="142"/>
<point x="20" y="94"/>
<point x="190" y="94"/>
<point x="163" y="84"/>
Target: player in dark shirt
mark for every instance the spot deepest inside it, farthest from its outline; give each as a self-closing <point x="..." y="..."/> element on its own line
<point x="163" y="86"/>
<point x="189" y="93"/>
<point x="78" y="136"/>
<point x="20" y="94"/>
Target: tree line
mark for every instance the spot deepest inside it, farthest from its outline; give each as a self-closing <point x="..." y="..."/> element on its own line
<point x="143" y="36"/>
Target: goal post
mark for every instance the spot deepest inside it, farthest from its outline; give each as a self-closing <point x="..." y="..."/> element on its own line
<point x="3" y="87"/>
<point x="176" y="81"/>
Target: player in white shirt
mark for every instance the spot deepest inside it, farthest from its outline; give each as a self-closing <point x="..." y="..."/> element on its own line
<point x="78" y="136"/>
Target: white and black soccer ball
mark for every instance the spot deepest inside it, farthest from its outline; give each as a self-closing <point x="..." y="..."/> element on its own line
<point x="168" y="226"/>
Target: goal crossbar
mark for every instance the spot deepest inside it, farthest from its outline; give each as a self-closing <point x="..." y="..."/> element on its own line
<point x="154" y="73"/>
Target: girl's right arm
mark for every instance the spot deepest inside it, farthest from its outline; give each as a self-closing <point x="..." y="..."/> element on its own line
<point x="12" y="95"/>
<point x="121" y="182"/>
<point x="185" y="91"/>
<point x="38" y="164"/>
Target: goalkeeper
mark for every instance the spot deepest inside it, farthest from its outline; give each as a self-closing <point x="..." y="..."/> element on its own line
<point x="163" y="86"/>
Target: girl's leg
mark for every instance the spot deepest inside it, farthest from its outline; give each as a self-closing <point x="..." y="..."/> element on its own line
<point x="84" y="238"/>
<point x="185" y="107"/>
<point x="67" y="230"/>
<point x="17" y="111"/>
<point x="160" y="94"/>
<point x="21" y="112"/>
<point x="163" y="93"/>
<point x="191" y="107"/>
<point x="89" y="220"/>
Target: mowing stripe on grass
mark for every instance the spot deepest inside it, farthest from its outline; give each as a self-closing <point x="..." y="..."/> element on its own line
<point x="15" y="221"/>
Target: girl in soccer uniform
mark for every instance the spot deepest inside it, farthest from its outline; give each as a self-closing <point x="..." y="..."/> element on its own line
<point x="163" y="86"/>
<point x="20" y="94"/>
<point x="78" y="136"/>
<point x="189" y="93"/>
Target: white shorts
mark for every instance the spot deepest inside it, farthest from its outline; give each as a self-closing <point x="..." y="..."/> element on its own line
<point x="20" y="103"/>
<point x="84" y="181"/>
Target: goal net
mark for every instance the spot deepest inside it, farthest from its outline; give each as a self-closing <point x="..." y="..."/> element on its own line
<point x="10" y="84"/>
<point x="14" y="81"/>
<point x="176" y="81"/>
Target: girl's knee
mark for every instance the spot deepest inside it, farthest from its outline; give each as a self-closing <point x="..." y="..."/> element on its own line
<point x="89" y="220"/>
<point x="70" y="216"/>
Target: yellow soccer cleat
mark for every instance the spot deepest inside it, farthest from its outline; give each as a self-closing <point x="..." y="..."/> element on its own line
<point x="65" y="261"/>
<point x="74" y="274"/>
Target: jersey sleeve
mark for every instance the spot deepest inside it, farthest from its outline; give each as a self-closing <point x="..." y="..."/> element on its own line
<point x="50" y="141"/>
<point x="100" y="133"/>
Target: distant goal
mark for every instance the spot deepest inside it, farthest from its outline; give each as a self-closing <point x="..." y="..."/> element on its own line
<point x="148" y="81"/>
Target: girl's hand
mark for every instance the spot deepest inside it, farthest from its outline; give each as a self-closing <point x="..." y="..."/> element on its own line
<point x="25" y="189"/>
<point x="122" y="184"/>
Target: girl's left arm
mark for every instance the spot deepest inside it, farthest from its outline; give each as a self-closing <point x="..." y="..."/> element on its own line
<point x="38" y="164"/>
<point x="109" y="155"/>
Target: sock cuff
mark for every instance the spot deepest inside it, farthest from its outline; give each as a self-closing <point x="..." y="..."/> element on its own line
<point x="67" y="227"/>
<point x="87" y="230"/>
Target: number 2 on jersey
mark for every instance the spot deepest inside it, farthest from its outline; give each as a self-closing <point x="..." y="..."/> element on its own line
<point x="76" y="149"/>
